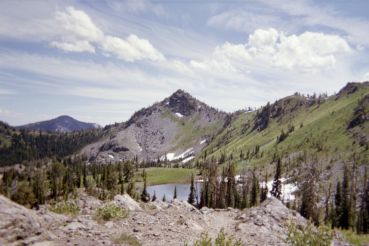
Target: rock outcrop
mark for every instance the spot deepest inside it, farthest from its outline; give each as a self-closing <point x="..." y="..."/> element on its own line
<point x="156" y="223"/>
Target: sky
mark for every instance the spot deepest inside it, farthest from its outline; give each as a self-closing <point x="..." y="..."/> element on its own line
<point x="100" y="61"/>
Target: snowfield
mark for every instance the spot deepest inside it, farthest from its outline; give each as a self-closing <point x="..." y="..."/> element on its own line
<point x="287" y="189"/>
<point x="185" y="155"/>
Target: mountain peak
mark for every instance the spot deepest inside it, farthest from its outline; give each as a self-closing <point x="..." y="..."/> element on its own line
<point x="182" y="102"/>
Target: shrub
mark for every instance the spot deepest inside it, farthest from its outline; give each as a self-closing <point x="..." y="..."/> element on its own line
<point x="110" y="211"/>
<point x="222" y="240"/>
<point x="321" y="236"/>
<point x="68" y="208"/>
<point x="127" y="240"/>
<point x="354" y="238"/>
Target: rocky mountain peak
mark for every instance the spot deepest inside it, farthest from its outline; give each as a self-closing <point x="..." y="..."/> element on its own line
<point x="182" y="102"/>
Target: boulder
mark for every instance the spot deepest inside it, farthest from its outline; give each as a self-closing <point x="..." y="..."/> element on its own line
<point x="18" y="224"/>
<point x="126" y="202"/>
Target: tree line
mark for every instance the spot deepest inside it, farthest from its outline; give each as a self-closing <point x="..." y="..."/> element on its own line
<point x="17" y="146"/>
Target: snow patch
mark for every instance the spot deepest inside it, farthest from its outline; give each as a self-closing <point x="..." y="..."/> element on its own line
<point x="179" y="115"/>
<point x="188" y="159"/>
<point x="172" y="156"/>
<point x="287" y="189"/>
<point x="139" y="148"/>
<point x="111" y="156"/>
<point x="203" y="141"/>
<point x="185" y="154"/>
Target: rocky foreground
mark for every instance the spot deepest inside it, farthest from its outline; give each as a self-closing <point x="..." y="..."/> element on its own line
<point x="155" y="223"/>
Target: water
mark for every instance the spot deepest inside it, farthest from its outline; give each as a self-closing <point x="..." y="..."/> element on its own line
<point x="183" y="190"/>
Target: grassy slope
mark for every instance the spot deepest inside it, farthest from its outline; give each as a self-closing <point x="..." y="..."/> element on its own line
<point x="190" y="129"/>
<point x="323" y="125"/>
<point x="169" y="175"/>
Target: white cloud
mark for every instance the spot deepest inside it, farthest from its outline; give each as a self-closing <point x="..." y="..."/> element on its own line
<point x="293" y="16"/>
<point x="76" y="46"/>
<point x="131" y="49"/>
<point x="309" y="51"/>
<point x="82" y="35"/>
<point x="79" y="24"/>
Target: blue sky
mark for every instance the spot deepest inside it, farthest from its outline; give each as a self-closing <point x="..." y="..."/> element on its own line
<point x="100" y="61"/>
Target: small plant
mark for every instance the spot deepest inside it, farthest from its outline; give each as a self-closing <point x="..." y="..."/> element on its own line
<point x="68" y="208"/>
<point x="321" y="236"/>
<point x="127" y="240"/>
<point x="110" y="211"/>
<point x="354" y="238"/>
<point x="222" y="240"/>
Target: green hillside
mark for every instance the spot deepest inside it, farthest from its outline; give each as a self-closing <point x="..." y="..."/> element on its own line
<point x="313" y="125"/>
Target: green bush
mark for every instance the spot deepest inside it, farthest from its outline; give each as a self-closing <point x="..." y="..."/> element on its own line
<point x="127" y="240"/>
<point x="321" y="236"/>
<point x="68" y="208"/>
<point x="355" y="239"/>
<point x="222" y="240"/>
<point x="110" y="211"/>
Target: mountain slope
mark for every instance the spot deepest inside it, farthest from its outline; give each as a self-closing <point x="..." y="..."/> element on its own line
<point x="329" y="128"/>
<point x="175" y="128"/>
<point x="62" y="123"/>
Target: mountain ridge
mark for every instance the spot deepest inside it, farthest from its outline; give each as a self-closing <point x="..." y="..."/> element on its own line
<point x="63" y="123"/>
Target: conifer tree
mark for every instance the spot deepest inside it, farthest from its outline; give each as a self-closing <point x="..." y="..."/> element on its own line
<point x="231" y="186"/>
<point x="308" y="200"/>
<point x="362" y="225"/>
<point x="254" y="190"/>
<point x="264" y="189"/>
<point x="122" y="187"/>
<point x="175" y="193"/>
<point x="145" y="196"/>
<point x="222" y="190"/>
<point x="191" y="196"/>
<point x="344" y="218"/>
<point x="277" y="184"/>
<point x="85" y="175"/>
<point x="154" y="197"/>
<point x="164" y="198"/>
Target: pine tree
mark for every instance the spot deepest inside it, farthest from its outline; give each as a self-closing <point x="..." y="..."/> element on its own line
<point x="145" y="196"/>
<point x="264" y="189"/>
<point x="277" y="184"/>
<point x="175" y="193"/>
<point x="191" y="196"/>
<point x="154" y="197"/>
<point x="362" y="225"/>
<point x="164" y="198"/>
<point x="222" y="190"/>
<point x="344" y="218"/>
<point x="254" y="190"/>
<point x="122" y="188"/>
<point x="308" y="201"/>
<point x="337" y="203"/>
<point x="231" y="186"/>
<point x="85" y="175"/>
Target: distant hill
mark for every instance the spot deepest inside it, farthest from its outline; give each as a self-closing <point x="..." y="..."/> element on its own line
<point x="62" y="123"/>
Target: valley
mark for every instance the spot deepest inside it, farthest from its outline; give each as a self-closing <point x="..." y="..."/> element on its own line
<point x="293" y="144"/>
